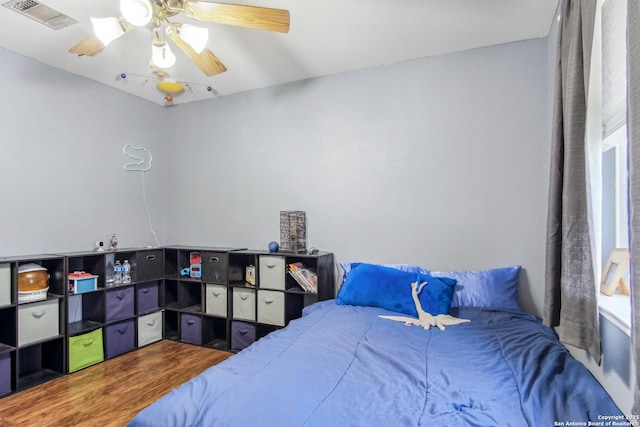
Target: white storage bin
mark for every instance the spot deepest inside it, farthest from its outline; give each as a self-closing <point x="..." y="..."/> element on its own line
<point x="244" y="304"/>
<point x="149" y="328"/>
<point x="5" y="284"/>
<point x="271" y="307"/>
<point x="272" y="270"/>
<point x="38" y="321"/>
<point x="216" y="300"/>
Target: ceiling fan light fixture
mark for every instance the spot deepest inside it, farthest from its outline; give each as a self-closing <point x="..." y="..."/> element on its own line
<point x="162" y="56"/>
<point x="137" y="12"/>
<point x="196" y="37"/>
<point x="107" y="29"/>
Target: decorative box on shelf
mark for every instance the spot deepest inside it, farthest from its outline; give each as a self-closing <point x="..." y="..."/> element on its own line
<point x="251" y="275"/>
<point x="79" y="282"/>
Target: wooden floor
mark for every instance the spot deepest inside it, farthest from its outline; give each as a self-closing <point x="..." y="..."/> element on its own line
<point x="110" y="393"/>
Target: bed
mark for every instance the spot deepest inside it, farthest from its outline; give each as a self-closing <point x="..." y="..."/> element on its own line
<point x="342" y="364"/>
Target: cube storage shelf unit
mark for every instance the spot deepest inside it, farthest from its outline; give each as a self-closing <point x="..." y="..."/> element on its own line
<point x="197" y="295"/>
<point x="219" y="308"/>
<point x="114" y="318"/>
<point x="32" y="337"/>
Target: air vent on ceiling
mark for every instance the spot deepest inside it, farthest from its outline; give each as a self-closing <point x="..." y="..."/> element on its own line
<point x="41" y="13"/>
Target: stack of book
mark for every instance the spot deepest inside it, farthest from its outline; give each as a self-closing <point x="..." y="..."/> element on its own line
<point x="306" y="278"/>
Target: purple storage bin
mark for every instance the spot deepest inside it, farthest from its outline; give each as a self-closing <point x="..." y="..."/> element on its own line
<point x="147" y="297"/>
<point x="242" y="335"/>
<point x="5" y="374"/>
<point x="119" y="303"/>
<point x="191" y="329"/>
<point x="120" y="338"/>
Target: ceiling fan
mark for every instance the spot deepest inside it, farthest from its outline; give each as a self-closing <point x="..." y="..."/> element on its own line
<point x="191" y="39"/>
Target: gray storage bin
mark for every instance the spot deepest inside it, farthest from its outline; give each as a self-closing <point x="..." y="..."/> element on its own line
<point x="272" y="270"/>
<point x="216" y="300"/>
<point x="38" y="321"/>
<point x="149" y="328"/>
<point x="271" y="307"/>
<point x="244" y="304"/>
<point x="5" y="284"/>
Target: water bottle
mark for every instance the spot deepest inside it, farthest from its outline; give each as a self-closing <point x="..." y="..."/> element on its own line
<point x="126" y="272"/>
<point x="117" y="270"/>
<point x="110" y="276"/>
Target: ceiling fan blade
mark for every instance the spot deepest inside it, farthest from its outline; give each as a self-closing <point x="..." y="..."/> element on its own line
<point x="89" y="46"/>
<point x="206" y="60"/>
<point x="92" y="45"/>
<point x="262" y="18"/>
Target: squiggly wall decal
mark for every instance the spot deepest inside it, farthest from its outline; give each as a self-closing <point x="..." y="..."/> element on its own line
<point x="138" y="163"/>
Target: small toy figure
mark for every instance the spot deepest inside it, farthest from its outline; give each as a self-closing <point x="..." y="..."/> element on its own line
<point x="113" y="243"/>
<point x="426" y="320"/>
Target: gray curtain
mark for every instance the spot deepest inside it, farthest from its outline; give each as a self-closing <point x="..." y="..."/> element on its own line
<point x="570" y="291"/>
<point x="633" y="129"/>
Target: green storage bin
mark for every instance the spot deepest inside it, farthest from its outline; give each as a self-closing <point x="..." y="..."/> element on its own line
<point x="85" y="350"/>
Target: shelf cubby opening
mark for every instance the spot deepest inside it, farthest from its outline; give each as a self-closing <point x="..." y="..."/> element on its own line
<point x="40" y="363"/>
<point x="214" y="332"/>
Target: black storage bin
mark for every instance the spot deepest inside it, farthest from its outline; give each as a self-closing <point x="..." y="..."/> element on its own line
<point x="214" y="267"/>
<point x="149" y="265"/>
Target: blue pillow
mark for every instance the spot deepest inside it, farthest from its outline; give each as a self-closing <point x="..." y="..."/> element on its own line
<point x="404" y="267"/>
<point x="496" y="288"/>
<point x="379" y="286"/>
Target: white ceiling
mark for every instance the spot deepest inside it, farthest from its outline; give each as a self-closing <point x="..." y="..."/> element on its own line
<point x="326" y="37"/>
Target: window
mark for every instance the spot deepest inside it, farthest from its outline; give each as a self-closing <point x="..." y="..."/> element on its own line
<point x="615" y="230"/>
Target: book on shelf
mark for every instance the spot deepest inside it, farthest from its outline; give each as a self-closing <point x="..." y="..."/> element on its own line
<point x="305" y="277"/>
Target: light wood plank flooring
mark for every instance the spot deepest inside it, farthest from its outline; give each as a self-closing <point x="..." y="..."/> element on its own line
<point x="110" y="393"/>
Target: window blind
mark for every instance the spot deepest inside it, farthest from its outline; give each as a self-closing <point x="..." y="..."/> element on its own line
<point x="614" y="66"/>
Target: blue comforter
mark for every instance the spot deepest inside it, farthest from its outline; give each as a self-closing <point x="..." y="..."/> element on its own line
<point x="344" y="366"/>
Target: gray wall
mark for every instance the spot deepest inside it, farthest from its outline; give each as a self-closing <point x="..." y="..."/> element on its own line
<point x="62" y="179"/>
<point x="441" y="162"/>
